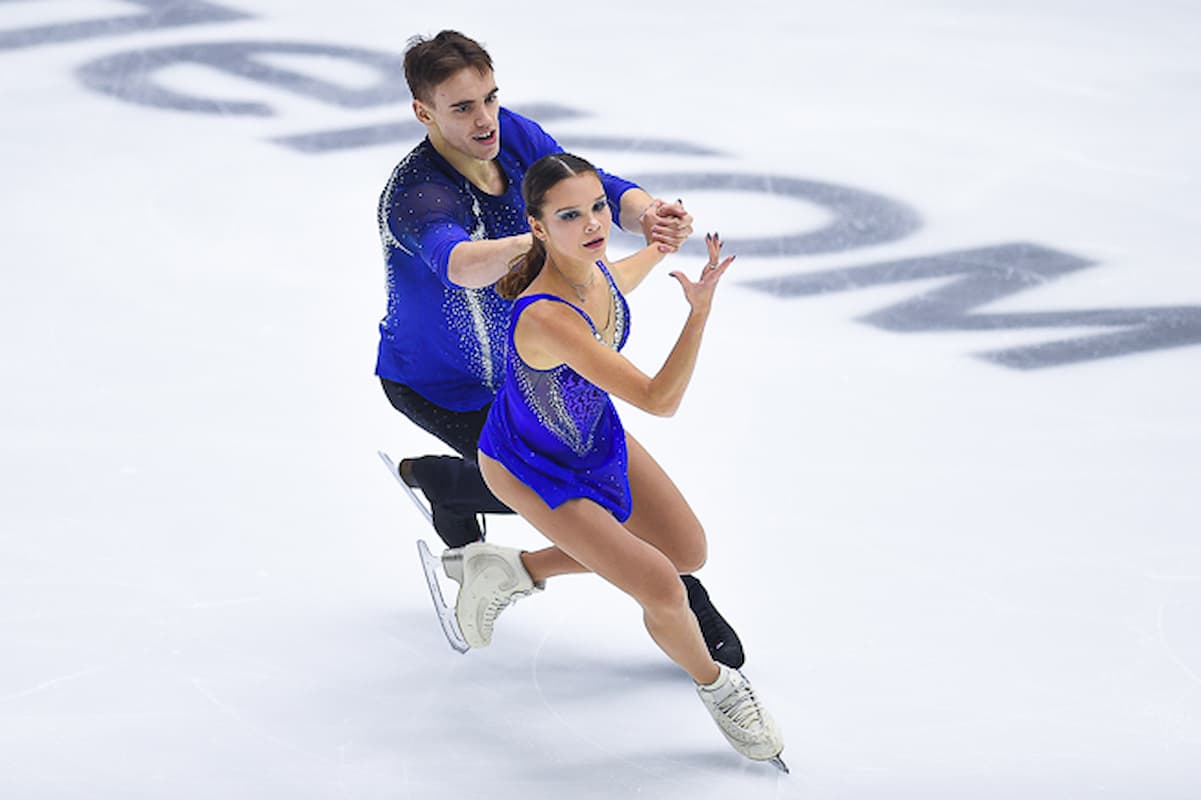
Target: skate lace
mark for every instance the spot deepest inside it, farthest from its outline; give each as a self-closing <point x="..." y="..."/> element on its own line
<point x="492" y="611"/>
<point x="742" y="708"/>
<point x="499" y="604"/>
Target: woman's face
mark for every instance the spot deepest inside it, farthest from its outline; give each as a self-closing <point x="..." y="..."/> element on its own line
<point x="575" y="219"/>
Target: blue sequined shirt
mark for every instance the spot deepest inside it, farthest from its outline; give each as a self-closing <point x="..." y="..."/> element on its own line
<point x="442" y="340"/>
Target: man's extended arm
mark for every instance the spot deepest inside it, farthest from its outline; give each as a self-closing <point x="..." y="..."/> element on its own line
<point x="476" y="264"/>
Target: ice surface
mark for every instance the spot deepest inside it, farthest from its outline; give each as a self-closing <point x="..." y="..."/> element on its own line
<point x="954" y="578"/>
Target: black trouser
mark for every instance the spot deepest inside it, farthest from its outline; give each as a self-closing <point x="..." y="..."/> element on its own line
<point x="454" y="486"/>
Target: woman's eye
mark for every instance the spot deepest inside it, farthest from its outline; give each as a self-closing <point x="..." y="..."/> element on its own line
<point x="566" y="215"/>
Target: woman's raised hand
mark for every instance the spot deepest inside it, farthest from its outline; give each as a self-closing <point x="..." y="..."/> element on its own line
<point x="700" y="293"/>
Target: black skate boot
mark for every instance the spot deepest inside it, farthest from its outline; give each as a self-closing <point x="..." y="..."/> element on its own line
<point x="723" y="643"/>
<point x="433" y="475"/>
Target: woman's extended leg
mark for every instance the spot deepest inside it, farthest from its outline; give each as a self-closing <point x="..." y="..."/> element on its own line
<point x="589" y="535"/>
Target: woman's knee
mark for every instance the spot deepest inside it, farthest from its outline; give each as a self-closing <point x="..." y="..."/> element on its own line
<point x="691" y="552"/>
<point x="663" y="592"/>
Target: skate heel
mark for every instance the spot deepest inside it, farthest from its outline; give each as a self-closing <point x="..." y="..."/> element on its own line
<point x="395" y="471"/>
<point x="452" y="564"/>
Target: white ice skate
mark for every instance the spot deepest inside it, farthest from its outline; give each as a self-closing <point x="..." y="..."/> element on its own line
<point x="743" y="720"/>
<point x="450" y="563"/>
<point x="490" y="578"/>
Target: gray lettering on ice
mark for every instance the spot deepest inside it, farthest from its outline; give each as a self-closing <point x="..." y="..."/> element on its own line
<point x="986" y="274"/>
<point x="130" y="76"/>
<point x="158" y="14"/>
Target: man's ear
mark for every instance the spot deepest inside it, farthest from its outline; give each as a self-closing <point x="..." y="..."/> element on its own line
<point x="422" y="112"/>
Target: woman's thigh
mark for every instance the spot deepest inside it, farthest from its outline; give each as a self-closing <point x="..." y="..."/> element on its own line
<point x="592" y="536"/>
<point x="661" y="515"/>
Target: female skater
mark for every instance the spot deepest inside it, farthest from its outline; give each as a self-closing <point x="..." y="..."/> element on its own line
<point x="554" y="450"/>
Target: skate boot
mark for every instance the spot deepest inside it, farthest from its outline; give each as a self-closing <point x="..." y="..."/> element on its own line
<point x="724" y="645"/>
<point x="490" y="579"/>
<point x="743" y="720"/>
<point x="432" y="475"/>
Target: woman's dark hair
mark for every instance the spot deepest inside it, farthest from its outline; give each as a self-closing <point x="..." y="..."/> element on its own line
<point x="542" y="176"/>
<point x="428" y="62"/>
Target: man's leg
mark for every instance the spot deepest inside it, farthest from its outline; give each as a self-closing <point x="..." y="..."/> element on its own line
<point x="723" y="643"/>
<point x="456" y="493"/>
<point x="454" y="487"/>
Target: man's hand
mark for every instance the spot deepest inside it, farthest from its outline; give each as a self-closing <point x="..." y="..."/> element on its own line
<point x="666" y="224"/>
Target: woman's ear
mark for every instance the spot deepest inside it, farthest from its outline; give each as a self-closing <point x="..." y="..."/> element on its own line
<point x="537" y="229"/>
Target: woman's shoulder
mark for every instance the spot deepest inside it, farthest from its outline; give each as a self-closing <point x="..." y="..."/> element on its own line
<point x="549" y="316"/>
<point x="528" y="301"/>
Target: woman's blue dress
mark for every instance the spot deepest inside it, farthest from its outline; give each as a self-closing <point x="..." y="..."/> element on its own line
<point x="557" y="432"/>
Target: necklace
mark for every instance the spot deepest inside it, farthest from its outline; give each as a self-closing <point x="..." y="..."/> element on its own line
<point x="577" y="287"/>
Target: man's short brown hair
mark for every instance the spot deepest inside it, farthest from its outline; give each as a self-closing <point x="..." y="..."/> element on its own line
<point x="428" y="62"/>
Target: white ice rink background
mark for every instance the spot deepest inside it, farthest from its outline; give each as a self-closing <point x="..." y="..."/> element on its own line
<point x="945" y="434"/>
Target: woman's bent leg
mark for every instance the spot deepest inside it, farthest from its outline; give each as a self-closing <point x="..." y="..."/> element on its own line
<point x="591" y="537"/>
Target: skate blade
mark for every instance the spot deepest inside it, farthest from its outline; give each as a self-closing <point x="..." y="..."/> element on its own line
<point x="417" y="501"/>
<point x="779" y="764"/>
<point x="446" y="617"/>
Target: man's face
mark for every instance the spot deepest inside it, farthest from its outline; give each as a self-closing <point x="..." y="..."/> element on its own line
<point x="463" y="114"/>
